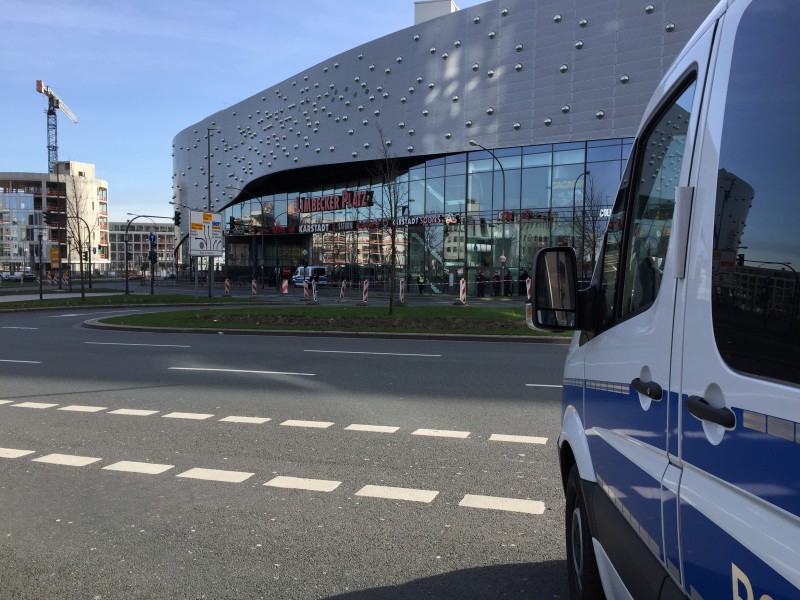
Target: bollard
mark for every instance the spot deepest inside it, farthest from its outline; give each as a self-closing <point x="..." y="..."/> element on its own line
<point x="253" y="288"/>
<point x="402" y="291"/>
<point x="285" y="286"/>
<point x="305" y="290"/>
<point x="314" y="290"/>
<point x="227" y="287"/>
<point x="365" y="292"/>
<point x="463" y="292"/>
<point x="341" y="291"/>
<point x="528" y="287"/>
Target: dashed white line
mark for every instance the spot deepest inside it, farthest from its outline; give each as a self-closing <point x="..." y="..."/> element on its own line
<point x="531" y="507"/>
<point x="374" y="428"/>
<point x="10" y="327"/>
<point x="241" y="371"/>
<point x="253" y="420"/>
<point x="14" y="452"/>
<point x="313" y="424"/>
<point x="134" y="412"/>
<point x="83" y="408"/>
<point x="543" y="385"/>
<point x="185" y="415"/>
<point x="373" y="353"/>
<point x="6" y="401"/>
<point x="23" y="362"/>
<point x="441" y="433"/>
<point x="70" y="460"/>
<point x="138" y="467"/>
<point x="299" y="483"/>
<point x="38" y="405"/>
<point x="520" y="439"/>
<point x="147" y="345"/>
<point x="397" y="493"/>
<point x="216" y="475"/>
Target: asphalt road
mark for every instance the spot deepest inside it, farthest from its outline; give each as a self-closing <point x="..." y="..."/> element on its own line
<point x="149" y="465"/>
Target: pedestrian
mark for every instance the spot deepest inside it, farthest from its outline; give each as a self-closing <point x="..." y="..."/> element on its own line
<point x="507" y="280"/>
<point x="496" y="283"/>
<point x="481" y="279"/>
<point x="523" y="282"/>
<point x="421" y="283"/>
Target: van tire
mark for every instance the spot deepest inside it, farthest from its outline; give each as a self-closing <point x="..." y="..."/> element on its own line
<point x="582" y="573"/>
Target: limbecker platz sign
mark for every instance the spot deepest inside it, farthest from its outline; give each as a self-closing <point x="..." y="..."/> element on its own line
<point x="205" y="234"/>
<point x="347" y="199"/>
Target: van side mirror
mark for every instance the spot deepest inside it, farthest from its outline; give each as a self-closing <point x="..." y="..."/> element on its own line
<point x="554" y="290"/>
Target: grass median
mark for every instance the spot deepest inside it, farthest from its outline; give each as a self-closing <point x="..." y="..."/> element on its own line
<point x="498" y="321"/>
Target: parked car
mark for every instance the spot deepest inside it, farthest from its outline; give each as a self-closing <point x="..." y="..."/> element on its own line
<point x="679" y="444"/>
<point x="30" y="277"/>
<point x="169" y="277"/>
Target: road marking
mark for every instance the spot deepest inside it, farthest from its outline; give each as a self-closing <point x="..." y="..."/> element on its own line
<point x="254" y="420"/>
<point x="375" y="428"/>
<point x="83" y="408"/>
<point x="216" y="475"/>
<point x="24" y="362"/>
<point x="9" y="327"/>
<point x="138" y="467"/>
<point x="133" y="412"/>
<point x="531" y="507"/>
<point x="6" y="401"/>
<point x="441" y="433"/>
<point x="544" y="385"/>
<point x="521" y="439"/>
<point x="315" y="424"/>
<point x="184" y="415"/>
<point x="241" y="371"/>
<point x="69" y="460"/>
<point x="373" y="353"/>
<point x="298" y="483"/>
<point x="39" y="405"/>
<point x="14" y="453"/>
<point x="60" y="316"/>
<point x="147" y="345"/>
<point x="396" y="493"/>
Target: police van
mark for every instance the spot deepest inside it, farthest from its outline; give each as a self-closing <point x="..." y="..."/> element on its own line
<point x="308" y="273"/>
<point x="680" y="440"/>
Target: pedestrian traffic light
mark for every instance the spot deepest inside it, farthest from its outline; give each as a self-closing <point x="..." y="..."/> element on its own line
<point x="177" y="218"/>
<point x="48" y="217"/>
<point x="740" y="260"/>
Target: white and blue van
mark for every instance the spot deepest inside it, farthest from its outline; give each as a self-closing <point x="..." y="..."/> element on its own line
<point x="307" y="273"/>
<point x="680" y="441"/>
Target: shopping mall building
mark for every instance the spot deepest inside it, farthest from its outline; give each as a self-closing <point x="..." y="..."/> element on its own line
<point x="475" y="137"/>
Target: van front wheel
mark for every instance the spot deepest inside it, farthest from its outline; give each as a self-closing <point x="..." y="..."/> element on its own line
<point x="582" y="574"/>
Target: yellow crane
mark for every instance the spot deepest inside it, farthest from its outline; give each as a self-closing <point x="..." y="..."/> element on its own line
<point x="53" y="103"/>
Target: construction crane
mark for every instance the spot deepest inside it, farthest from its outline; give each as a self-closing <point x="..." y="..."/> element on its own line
<point x="53" y="102"/>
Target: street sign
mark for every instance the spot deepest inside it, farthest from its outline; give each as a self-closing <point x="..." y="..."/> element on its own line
<point x="152" y="238"/>
<point x="205" y="234"/>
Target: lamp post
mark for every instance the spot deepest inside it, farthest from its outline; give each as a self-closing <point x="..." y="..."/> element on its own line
<point x="502" y="219"/>
<point x="208" y="208"/>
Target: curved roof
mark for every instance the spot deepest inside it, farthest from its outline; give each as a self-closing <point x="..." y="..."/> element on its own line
<point x="510" y="73"/>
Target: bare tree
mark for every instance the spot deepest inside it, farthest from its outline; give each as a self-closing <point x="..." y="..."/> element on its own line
<point x="79" y="219"/>
<point x="393" y="205"/>
<point x="591" y="225"/>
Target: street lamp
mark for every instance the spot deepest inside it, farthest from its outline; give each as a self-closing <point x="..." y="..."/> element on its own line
<point x="502" y="219"/>
<point x="208" y="209"/>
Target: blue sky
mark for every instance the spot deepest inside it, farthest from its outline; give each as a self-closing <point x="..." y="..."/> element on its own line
<point x="135" y="73"/>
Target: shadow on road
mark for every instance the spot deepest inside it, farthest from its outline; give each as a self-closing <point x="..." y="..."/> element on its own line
<point x="542" y="581"/>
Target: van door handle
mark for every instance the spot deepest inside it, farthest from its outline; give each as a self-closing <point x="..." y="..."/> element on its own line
<point x="649" y="388"/>
<point x="701" y="409"/>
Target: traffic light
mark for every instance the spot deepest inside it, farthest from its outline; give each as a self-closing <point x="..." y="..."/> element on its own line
<point x="129" y="256"/>
<point x="48" y="217"/>
<point x="740" y="260"/>
<point x="177" y="218"/>
<point x="85" y="255"/>
<point x="231" y="223"/>
<point x="153" y="256"/>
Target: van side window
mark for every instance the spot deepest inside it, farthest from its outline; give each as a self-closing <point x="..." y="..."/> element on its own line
<point x="638" y="231"/>
<point x="756" y="245"/>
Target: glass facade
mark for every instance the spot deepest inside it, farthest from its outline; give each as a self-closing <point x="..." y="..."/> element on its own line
<point x="455" y="216"/>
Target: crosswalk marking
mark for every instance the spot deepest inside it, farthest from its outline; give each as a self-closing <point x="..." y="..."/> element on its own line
<point x="374" y="428"/>
<point x="397" y="493"/>
<point x="254" y="420"/>
<point x="14" y="453"/>
<point x="521" y="439"/>
<point x="39" y="405"/>
<point x="70" y="460"/>
<point x="184" y="415"/>
<point x="216" y="475"/>
<point x="83" y="408"/>
<point x="314" y="424"/>
<point x="298" y="483"/>
<point x="138" y="467"/>
<point x="531" y="507"/>
<point x="441" y="433"/>
<point x="135" y="412"/>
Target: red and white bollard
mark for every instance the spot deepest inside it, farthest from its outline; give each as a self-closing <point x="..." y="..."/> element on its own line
<point x="528" y="287"/>
<point x="341" y="291"/>
<point x="365" y="292"/>
<point x="253" y="288"/>
<point x="314" y="290"/>
<point x="227" y="287"/>
<point x="402" y="291"/>
<point x="65" y="278"/>
<point x="462" y="295"/>
<point x="285" y="286"/>
<point x="305" y="290"/>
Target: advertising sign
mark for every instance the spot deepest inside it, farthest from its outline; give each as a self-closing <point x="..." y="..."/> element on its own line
<point x="55" y="257"/>
<point x="205" y="234"/>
